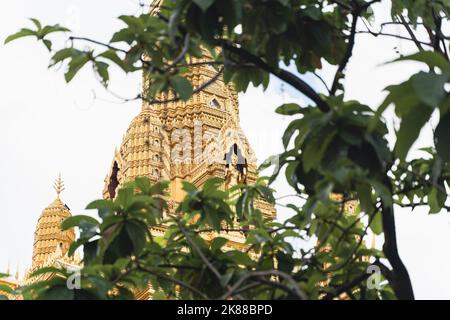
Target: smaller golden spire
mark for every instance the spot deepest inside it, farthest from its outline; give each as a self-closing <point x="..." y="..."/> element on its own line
<point x="17" y="272"/>
<point x="59" y="185"/>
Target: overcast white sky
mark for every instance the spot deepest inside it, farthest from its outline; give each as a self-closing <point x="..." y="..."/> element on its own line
<point x="47" y="127"/>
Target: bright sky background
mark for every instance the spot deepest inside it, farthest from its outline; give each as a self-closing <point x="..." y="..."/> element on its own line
<point x="47" y="127"/>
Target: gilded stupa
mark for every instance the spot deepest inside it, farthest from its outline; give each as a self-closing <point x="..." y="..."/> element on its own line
<point x="51" y="244"/>
<point x="49" y="240"/>
<point x="192" y="140"/>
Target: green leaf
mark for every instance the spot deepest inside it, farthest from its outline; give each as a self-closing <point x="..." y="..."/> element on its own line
<point x="37" y="23"/>
<point x="137" y="233"/>
<point x="159" y="295"/>
<point x="75" y="65"/>
<point x="218" y="243"/>
<point x="48" y="44"/>
<point x="212" y="183"/>
<point x="112" y="55"/>
<point x="382" y="191"/>
<point x="182" y="86"/>
<point x="316" y="147"/>
<point x="58" y="292"/>
<point x="365" y="197"/>
<point x="75" y="245"/>
<point x="240" y="257"/>
<point x="377" y="224"/>
<point x="144" y="184"/>
<point x="285" y="262"/>
<point x="105" y="208"/>
<point x="410" y="128"/>
<point x="436" y="199"/>
<point x="429" y="87"/>
<point x="204" y="4"/>
<point x="6" y="289"/>
<point x="22" y="33"/>
<point x="289" y="109"/>
<point x="63" y="54"/>
<point x="290" y="130"/>
<point x="46" y="270"/>
<point x="188" y="187"/>
<point x="76" y="220"/>
<point x="442" y="137"/>
<point x="51" y="29"/>
<point x="102" y="70"/>
<point x="433" y="59"/>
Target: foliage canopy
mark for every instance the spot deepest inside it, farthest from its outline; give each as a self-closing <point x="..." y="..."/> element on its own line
<point x="332" y="147"/>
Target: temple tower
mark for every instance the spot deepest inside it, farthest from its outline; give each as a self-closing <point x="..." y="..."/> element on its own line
<point x="191" y="140"/>
<point x="50" y="242"/>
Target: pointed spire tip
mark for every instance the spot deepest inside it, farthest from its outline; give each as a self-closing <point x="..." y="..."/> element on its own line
<point x="59" y="185"/>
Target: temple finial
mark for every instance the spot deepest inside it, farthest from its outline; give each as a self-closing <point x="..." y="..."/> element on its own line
<point x="59" y="185"/>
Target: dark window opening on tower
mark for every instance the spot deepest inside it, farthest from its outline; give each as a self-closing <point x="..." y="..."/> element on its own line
<point x="214" y="104"/>
<point x="241" y="161"/>
<point x="113" y="181"/>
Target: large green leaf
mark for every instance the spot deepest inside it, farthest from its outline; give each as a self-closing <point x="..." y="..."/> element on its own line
<point x="365" y="197"/>
<point x="63" y="54"/>
<point x="289" y="109"/>
<point x="57" y="292"/>
<point x="218" y="243"/>
<point x="433" y="59"/>
<point x="22" y="33"/>
<point x="316" y="147"/>
<point x="429" y="87"/>
<point x="75" y="65"/>
<point x="75" y="221"/>
<point x="377" y="224"/>
<point x="46" y="270"/>
<point x="182" y="86"/>
<point x="410" y="128"/>
<point x="102" y="71"/>
<point x="137" y="233"/>
<point x="437" y="198"/>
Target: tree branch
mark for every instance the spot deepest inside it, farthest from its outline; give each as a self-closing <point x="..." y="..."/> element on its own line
<point x="401" y="282"/>
<point x="410" y="32"/>
<point x="295" y="290"/>
<point x="282" y="74"/>
<point x="347" y="55"/>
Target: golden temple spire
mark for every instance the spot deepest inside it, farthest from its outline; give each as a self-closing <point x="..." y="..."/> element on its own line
<point x="17" y="272"/>
<point x="59" y="185"/>
<point x="48" y="236"/>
